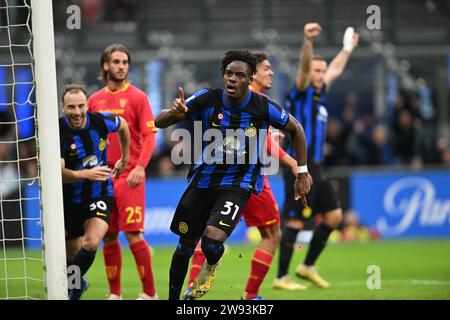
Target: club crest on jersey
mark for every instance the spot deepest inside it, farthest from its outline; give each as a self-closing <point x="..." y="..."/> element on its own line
<point x="183" y="227"/>
<point x="73" y="146"/>
<point x="220" y="116"/>
<point x="250" y="131"/>
<point x="102" y="144"/>
<point x="123" y="103"/>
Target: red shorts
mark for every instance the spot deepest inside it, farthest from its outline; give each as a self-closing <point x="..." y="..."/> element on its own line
<point x="129" y="207"/>
<point x="262" y="209"/>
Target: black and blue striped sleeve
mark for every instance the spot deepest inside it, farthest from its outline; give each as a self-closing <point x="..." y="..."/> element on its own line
<point x="112" y="122"/>
<point x="278" y="117"/>
<point x="196" y="103"/>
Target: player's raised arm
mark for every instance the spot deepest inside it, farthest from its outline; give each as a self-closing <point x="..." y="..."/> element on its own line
<point x="175" y="114"/>
<point x="337" y="66"/>
<point x="310" y="31"/>
<point x="124" y="138"/>
<point x="304" y="181"/>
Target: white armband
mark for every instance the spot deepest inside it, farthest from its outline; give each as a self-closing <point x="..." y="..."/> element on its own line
<point x="302" y="169"/>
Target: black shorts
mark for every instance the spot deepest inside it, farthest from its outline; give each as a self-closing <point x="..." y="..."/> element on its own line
<point x="321" y="198"/>
<point x="76" y="215"/>
<point x="198" y="208"/>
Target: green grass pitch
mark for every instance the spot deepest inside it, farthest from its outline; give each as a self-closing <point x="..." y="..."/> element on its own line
<point x="410" y="269"/>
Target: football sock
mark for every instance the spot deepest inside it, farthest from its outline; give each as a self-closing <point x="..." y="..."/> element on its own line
<point x="178" y="268"/>
<point x="318" y="242"/>
<point x="288" y="237"/>
<point x="84" y="259"/>
<point x="113" y="266"/>
<point x="143" y="258"/>
<point x="260" y="265"/>
<point x="213" y="250"/>
<point x="197" y="262"/>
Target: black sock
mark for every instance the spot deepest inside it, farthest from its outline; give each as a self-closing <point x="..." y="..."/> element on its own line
<point x="83" y="259"/>
<point x="179" y="267"/>
<point x="288" y="237"/>
<point x="318" y="242"/>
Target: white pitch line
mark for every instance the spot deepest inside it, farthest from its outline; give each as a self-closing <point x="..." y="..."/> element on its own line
<point x="418" y="282"/>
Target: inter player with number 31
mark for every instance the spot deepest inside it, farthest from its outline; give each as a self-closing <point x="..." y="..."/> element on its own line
<point x="219" y="189"/>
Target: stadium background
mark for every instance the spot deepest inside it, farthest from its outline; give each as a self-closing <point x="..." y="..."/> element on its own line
<point x="388" y="148"/>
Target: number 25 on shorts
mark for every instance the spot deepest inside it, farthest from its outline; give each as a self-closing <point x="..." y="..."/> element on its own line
<point x="134" y="214"/>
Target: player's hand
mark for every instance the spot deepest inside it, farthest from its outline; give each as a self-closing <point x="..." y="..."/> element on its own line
<point x="302" y="186"/>
<point x="350" y="40"/>
<point x="97" y="173"/>
<point x="136" y="176"/>
<point x="278" y="136"/>
<point x="312" y="30"/>
<point x="179" y="104"/>
<point x="119" y="167"/>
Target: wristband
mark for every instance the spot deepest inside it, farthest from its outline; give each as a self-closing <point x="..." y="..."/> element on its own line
<point x="302" y="169"/>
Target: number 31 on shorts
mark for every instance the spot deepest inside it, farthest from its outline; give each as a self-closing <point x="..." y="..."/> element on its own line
<point x="228" y="205"/>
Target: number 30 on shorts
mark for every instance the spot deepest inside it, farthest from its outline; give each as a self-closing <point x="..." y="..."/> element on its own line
<point x="228" y="205"/>
<point x="131" y="211"/>
<point x="99" y="204"/>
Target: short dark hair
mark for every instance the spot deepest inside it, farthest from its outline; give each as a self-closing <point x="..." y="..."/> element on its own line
<point x="106" y="56"/>
<point x="73" y="88"/>
<point x="320" y="58"/>
<point x="260" y="56"/>
<point x="239" y="55"/>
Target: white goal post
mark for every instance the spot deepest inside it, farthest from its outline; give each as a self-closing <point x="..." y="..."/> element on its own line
<point x="49" y="150"/>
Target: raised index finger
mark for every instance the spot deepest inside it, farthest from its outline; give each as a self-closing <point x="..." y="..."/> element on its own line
<point x="181" y="95"/>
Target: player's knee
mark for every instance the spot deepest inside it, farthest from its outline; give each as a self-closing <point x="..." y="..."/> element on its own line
<point x="90" y="243"/>
<point x="213" y="249"/>
<point x="295" y="224"/>
<point x="111" y="238"/>
<point x="272" y="234"/>
<point x="133" y="237"/>
<point x="333" y="218"/>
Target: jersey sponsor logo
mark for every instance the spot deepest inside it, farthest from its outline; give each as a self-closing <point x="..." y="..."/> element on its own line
<point x="224" y="224"/>
<point x="323" y="114"/>
<point x="123" y="102"/>
<point x="102" y="144"/>
<point x="250" y="131"/>
<point x="216" y="125"/>
<point x="183" y="227"/>
<point x="90" y="161"/>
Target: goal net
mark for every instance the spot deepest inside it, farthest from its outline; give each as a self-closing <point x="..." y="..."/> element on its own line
<point x="26" y="271"/>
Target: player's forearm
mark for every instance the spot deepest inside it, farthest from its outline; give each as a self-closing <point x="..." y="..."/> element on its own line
<point x="295" y="129"/>
<point x="167" y="117"/>
<point x="288" y="161"/>
<point x="148" y="142"/>
<point x="305" y="58"/>
<point x="71" y="176"/>
<point x="124" y="139"/>
<point x="338" y="64"/>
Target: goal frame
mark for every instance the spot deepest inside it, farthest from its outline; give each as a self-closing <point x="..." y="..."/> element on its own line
<point x="49" y="149"/>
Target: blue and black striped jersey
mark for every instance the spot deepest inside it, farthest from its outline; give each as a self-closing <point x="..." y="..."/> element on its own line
<point x="233" y="154"/>
<point x="308" y="108"/>
<point x="84" y="149"/>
